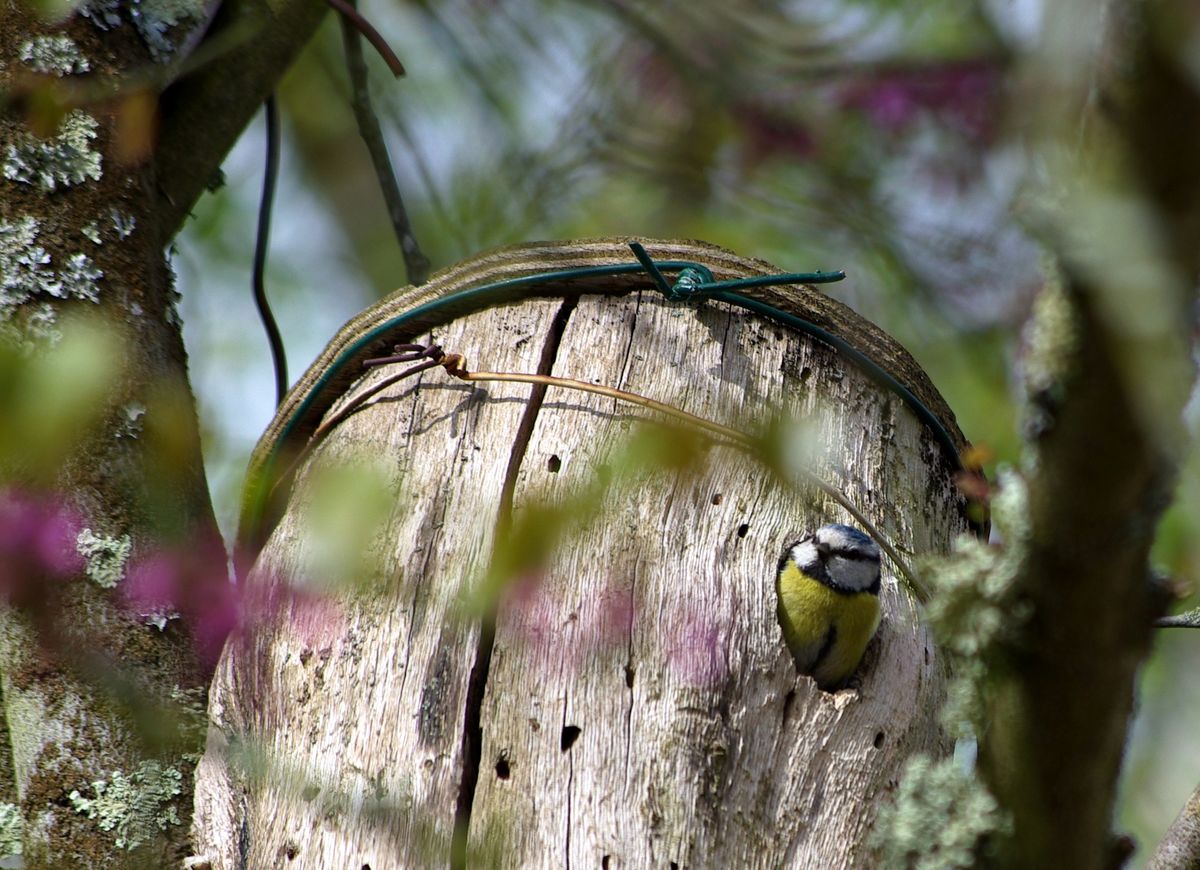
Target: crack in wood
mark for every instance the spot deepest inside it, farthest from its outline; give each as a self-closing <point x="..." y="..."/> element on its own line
<point x="633" y="325"/>
<point x="570" y="733"/>
<point x="472" y="743"/>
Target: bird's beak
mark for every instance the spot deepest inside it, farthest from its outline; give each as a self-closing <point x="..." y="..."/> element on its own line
<point x="822" y="548"/>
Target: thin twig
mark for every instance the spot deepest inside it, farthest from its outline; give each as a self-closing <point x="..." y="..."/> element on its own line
<point x="740" y="438"/>
<point x="373" y="36"/>
<point x="270" y="174"/>
<point x="340" y="417"/>
<point x="1187" y="619"/>
<point x="415" y="262"/>
<point x="455" y="365"/>
<point x="357" y="402"/>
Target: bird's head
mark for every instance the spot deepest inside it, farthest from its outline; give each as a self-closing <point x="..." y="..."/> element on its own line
<point x="840" y="556"/>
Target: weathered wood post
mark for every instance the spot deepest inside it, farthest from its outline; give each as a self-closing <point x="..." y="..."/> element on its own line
<point x="632" y="705"/>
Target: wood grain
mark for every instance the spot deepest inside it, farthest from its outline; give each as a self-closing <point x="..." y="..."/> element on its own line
<point x="654" y="632"/>
<point x="638" y="707"/>
<point x="350" y="705"/>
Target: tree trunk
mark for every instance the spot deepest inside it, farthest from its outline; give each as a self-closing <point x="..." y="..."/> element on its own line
<point x="93" y="689"/>
<point x="624" y="698"/>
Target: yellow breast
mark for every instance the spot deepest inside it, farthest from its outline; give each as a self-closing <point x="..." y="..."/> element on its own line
<point x="827" y="631"/>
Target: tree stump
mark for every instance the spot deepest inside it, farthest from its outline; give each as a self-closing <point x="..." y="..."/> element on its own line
<point x="629" y="703"/>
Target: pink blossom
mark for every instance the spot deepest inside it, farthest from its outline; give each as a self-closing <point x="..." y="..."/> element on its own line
<point x="193" y="583"/>
<point x="37" y="542"/>
<point x="696" y="648"/>
<point x="771" y="132"/>
<point x="964" y="95"/>
<point x="890" y="104"/>
<point x="559" y="632"/>
<point x="317" y="621"/>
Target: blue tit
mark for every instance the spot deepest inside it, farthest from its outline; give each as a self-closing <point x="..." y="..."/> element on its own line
<point x="828" y="587"/>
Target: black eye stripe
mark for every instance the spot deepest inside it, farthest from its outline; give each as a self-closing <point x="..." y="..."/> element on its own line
<point x="854" y="556"/>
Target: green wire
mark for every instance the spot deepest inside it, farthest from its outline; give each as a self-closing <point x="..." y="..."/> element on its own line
<point x="484" y="290"/>
<point x="693" y="280"/>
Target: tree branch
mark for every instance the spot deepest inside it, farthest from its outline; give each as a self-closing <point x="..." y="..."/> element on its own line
<point x="1107" y="443"/>
<point x="416" y="264"/>
<point x="204" y="113"/>
<point x="1180" y="846"/>
<point x="366" y="29"/>
<point x="1187" y="619"/>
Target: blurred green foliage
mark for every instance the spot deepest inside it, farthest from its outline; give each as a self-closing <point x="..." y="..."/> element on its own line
<point x="47" y="402"/>
<point x="348" y="503"/>
<point x="868" y="135"/>
<point x="542" y="527"/>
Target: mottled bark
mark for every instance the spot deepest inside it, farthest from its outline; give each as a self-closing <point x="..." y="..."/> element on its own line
<point x="101" y="705"/>
<point x="204" y="113"/>
<point x="1179" y="848"/>
<point x="1109" y="378"/>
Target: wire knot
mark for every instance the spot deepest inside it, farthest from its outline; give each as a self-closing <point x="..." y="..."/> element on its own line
<point x="426" y="357"/>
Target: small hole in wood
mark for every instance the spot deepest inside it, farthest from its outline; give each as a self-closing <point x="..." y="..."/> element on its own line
<point x="805" y="374"/>
<point x="604" y="862"/>
<point x="291" y="850"/>
<point x="502" y="769"/>
<point x="629" y="676"/>
<point x="553" y="464"/>
<point x="717" y="498"/>
<point x="743" y="529"/>
<point x="570" y="734"/>
<point x="788" y="700"/>
<point x="674" y="866"/>
<point x="366" y="867"/>
<point x="879" y="740"/>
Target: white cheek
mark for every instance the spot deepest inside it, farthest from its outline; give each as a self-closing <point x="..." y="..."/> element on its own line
<point x="804" y="553"/>
<point x="854" y="573"/>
